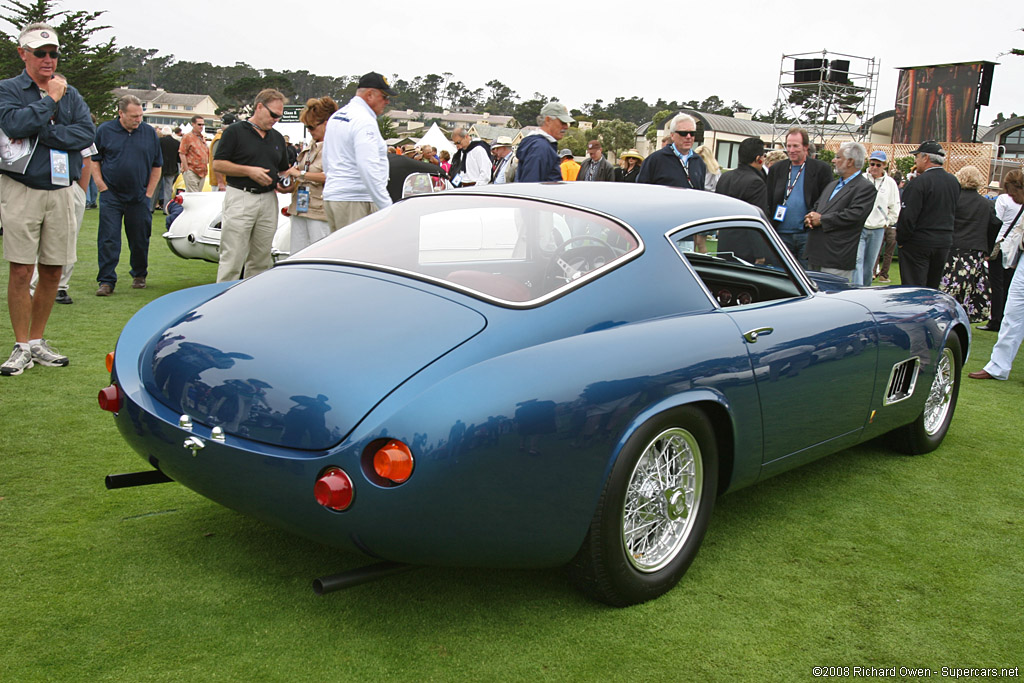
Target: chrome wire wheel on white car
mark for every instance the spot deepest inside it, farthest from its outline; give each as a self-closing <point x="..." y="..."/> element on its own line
<point x="653" y="512"/>
<point x="941" y="393"/>
<point x="662" y="497"/>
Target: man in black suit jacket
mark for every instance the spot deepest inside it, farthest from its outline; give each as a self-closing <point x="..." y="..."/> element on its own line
<point x="924" y="230"/>
<point x="784" y="178"/>
<point x="839" y="215"/>
<point x="747" y="181"/>
<point x="676" y="165"/>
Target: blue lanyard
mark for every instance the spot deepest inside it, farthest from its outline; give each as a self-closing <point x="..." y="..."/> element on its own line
<point x="684" y="159"/>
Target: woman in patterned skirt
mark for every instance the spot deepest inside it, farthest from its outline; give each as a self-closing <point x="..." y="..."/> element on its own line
<point x="966" y="277"/>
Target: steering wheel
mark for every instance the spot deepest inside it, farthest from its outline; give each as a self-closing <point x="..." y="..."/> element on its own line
<point x="569" y="264"/>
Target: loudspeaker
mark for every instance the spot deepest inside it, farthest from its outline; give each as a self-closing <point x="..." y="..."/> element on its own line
<point x="839" y="71"/>
<point x="810" y="70"/>
<point x="985" y="89"/>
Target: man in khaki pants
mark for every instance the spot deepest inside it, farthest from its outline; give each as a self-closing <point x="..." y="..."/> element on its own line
<point x="252" y="155"/>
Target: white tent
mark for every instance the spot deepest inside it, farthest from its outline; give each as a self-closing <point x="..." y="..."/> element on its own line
<point x="436" y="139"/>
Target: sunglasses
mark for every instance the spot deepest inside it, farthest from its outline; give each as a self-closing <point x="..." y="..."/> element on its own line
<point x="685" y="133"/>
<point x="39" y="54"/>
<point x="273" y="113"/>
<point x="875" y="163"/>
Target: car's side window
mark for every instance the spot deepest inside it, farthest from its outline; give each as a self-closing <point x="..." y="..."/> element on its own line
<point x="738" y="264"/>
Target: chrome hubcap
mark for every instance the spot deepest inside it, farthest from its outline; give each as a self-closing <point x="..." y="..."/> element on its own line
<point x="662" y="498"/>
<point x="940" y="396"/>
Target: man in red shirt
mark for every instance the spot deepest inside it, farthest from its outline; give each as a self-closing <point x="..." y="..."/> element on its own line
<point x="195" y="156"/>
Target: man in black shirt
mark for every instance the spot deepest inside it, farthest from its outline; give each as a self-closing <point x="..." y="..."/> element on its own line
<point x="251" y="154"/>
<point x="165" y="190"/>
<point x="924" y="230"/>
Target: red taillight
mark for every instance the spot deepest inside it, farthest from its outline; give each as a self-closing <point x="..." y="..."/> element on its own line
<point x="334" y="489"/>
<point x="110" y="398"/>
<point x="284" y="211"/>
<point x="393" y="461"/>
<point x="180" y="199"/>
<point x="110" y="362"/>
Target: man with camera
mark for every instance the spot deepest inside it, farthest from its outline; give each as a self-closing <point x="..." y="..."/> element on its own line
<point x="252" y="155"/>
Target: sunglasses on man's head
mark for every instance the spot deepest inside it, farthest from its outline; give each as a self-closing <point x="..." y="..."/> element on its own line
<point x="39" y="54"/>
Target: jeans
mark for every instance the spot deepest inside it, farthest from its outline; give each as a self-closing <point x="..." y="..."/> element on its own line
<point x="163" y="193"/>
<point x="91" y="194"/>
<point x="867" y="254"/>
<point x="796" y="242"/>
<point x="138" y="223"/>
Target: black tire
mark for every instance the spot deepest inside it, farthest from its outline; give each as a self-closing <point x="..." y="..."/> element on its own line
<point x="605" y="568"/>
<point x="926" y="433"/>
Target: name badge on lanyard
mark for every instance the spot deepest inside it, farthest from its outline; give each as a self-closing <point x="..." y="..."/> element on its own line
<point x="60" y="174"/>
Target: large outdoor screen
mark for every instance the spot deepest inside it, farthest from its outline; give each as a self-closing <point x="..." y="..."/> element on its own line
<point x="936" y="103"/>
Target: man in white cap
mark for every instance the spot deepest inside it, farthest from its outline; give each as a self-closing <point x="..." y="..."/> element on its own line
<point x="882" y="217"/>
<point x="49" y="123"/>
<point x="537" y="153"/>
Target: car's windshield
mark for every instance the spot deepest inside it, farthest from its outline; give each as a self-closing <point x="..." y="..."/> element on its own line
<point x="509" y="249"/>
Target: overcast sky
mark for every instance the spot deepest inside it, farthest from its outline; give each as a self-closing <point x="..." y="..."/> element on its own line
<point x="669" y="50"/>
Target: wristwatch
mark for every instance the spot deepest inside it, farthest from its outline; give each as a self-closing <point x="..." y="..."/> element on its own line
<point x="302" y="174"/>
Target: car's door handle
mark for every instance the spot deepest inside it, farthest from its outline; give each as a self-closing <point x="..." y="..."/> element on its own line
<point x="752" y="335"/>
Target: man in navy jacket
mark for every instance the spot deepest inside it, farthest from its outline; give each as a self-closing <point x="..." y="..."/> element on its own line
<point x="537" y="153"/>
<point x="676" y="165"/>
<point x="39" y="108"/>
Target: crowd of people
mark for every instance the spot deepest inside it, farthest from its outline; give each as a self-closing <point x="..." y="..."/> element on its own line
<point x="845" y="219"/>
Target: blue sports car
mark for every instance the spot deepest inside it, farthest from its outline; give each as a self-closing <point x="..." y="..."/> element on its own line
<point x="528" y="376"/>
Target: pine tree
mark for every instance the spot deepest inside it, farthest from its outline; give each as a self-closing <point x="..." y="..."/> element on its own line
<point x="85" y="61"/>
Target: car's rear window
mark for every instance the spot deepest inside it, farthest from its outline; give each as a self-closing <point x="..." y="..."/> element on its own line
<point x="508" y="249"/>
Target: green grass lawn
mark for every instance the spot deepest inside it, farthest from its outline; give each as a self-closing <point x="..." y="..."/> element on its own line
<point x="861" y="559"/>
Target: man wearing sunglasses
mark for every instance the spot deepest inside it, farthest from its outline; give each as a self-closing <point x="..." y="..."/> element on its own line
<point x="355" y="156"/>
<point x="675" y="164"/>
<point x="252" y="155"/>
<point x="47" y="124"/>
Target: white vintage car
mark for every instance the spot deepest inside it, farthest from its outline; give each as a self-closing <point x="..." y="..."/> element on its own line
<point x="195" y="233"/>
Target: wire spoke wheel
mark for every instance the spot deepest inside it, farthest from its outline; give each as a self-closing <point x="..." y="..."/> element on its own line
<point x="661" y="499"/>
<point x="940" y="395"/>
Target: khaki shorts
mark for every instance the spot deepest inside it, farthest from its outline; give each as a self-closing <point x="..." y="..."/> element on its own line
<point x="38" y="224"/>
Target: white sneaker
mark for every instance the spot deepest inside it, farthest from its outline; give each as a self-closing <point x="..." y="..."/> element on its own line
<point x="19" y="362"/>
<point x="44" y="355"/>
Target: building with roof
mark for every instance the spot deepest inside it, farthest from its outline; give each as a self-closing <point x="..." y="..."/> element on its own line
<point x="162" y="108"/>
<point x="410" y="120"/>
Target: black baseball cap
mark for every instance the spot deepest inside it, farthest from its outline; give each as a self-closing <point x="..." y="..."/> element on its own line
<point x="375" y="80"/>
<point x="930" y="147"/>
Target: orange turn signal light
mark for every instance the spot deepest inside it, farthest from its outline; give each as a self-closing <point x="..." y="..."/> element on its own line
<point x="393" y="462"/>
<point x="110" y="362"/>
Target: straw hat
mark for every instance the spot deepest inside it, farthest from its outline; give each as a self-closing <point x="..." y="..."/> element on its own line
<point x="632" y="153"/>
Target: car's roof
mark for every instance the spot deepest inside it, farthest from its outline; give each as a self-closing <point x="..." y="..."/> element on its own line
<point x="650" y="209"/>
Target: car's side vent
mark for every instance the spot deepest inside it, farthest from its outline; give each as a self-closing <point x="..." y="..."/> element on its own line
<point x="902" y="380"/>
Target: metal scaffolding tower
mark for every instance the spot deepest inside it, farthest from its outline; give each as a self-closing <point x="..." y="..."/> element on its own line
<point x="839" y="88"/>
